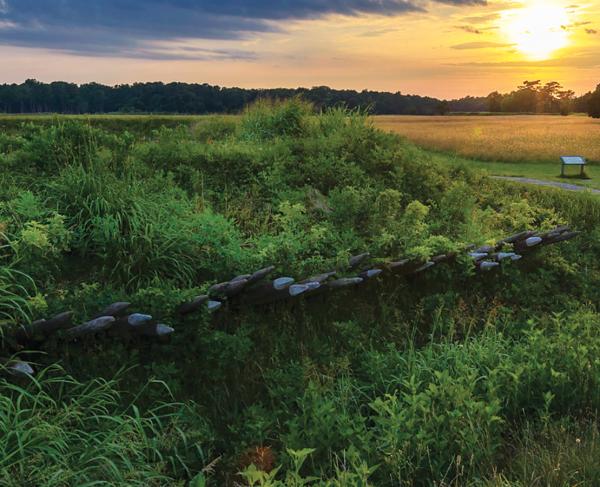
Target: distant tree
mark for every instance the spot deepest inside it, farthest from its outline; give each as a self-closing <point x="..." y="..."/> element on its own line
<point x="594" y="103"/>
<point x="566" y="99"/>
<point x="443" y="108"/>
<point x="494" y="101"/>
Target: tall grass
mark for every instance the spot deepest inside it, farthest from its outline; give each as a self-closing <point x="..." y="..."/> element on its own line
<point x="57" y="431"/>
<point x="503" y="138"/>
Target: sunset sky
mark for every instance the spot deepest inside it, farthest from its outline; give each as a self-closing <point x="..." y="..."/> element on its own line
<point x="443" y="48"/>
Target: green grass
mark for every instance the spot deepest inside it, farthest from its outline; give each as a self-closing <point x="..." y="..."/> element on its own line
<point x="543" y="171"/>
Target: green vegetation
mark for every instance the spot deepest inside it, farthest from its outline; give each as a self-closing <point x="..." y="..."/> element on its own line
<point x="447" y="378"/>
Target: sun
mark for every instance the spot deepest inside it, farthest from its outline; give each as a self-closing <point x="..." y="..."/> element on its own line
<point x="537" y="30"/>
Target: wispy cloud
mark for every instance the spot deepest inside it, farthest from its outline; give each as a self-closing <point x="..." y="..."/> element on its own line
<point x="481" y="45"/>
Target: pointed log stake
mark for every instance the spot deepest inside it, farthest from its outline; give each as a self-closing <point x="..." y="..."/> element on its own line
<point x="397" y="266"/>
<point x="479" y="255"/>
<point x="260" y="274"/>
<point x="298" y="289"/>
<point x="268" y="292"/>
<point x="214" y="306"/>
<point x="243" y="277"/>
<point x="157" y="330"/>
<point x="516" y="238"/>
<point x="563" y="238"/>
<point x="424" y="267"/>
<point x="344" y="282"/>
<point x="194" y="305"/>
<point x="320" y="278"/>
<point x="438" y="259"/>
<point x="138" y="319"/>
<point x="94" y="326"/>
<point x="356" y="260"/>
<point x="114" y="309"/>
<point x="486" y="249"/>
<point x="283" y="283"/>
<point x="20" y="369"/>
<point x="487" y="266"/>
<point x="533" y="241"/>
<point x="370" y="274"/>
<point x="44" y="328"/>
<point x="218" y="289"/>
<point x="235" y="287"/>
<point x="554" y="233"/>
<point x="500" y="256"/>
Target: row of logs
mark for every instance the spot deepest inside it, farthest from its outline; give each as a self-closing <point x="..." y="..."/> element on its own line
<point x="255" y="289"/>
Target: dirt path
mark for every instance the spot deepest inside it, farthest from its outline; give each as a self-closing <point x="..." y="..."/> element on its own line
<point x="553" y="184"/>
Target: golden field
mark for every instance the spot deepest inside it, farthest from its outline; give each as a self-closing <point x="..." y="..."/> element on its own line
<point x="513" y="138"/>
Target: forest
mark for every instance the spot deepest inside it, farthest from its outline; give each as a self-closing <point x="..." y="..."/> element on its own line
<point x="448" y="334"/>
<point x="92" y="98"/>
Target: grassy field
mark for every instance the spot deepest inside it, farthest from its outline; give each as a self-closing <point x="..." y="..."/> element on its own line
<point x="520" y="138"/>
<point x="526" y="146"/>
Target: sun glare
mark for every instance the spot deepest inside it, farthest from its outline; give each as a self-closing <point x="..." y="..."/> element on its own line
<point x="537" y="30"/>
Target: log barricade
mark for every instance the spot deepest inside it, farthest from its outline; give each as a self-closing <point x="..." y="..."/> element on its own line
<point x="255" y="289"/>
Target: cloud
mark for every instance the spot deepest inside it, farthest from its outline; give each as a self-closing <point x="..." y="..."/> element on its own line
<point x="470" y="29"/>
<point x="124" y="28"/>
<point x="481" y="45"/>
<point x="591" y="31"/>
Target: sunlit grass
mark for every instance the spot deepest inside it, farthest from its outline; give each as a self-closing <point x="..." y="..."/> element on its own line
<point x="502" y="138"/>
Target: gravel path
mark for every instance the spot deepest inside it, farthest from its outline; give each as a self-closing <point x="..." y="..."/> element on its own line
<point x="553" y="184"/>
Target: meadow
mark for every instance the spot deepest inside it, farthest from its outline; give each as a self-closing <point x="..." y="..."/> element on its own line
<point x="450" y="377"/>
<point x="504" y="138"/>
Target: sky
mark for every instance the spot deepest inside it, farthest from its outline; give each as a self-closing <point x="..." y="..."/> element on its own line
<point x="441" y="48"/>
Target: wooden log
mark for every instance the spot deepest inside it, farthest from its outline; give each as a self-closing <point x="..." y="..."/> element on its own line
<point x="438" y="259"/>
<point x="370" y="274"/>
<point x="193" y="306"/>
<point x="42" y="329"/>
<point x="91" y="327"/>
<point x="487" y="265"/>
<point x="154" y="330"/>
<point x="554" y="233"/>
<point x="516" y="238"/>
<point x="268" y="292"/>
<point x="320" y="278"/>
<point x="218" y="290"/>
<point x="260" y="275"/>
<point x="397" y="267"/>
<point x="282" y="283"/>
<point x="343" y="283"/>
<point x="138" y="319"/>
<point x="424" y="267"/>
<point x="298" y="289"/>
<point x="243" y="277"/>
<point x="527" y="244"/>
<point x="477" y="256"/>
<point x="356" y="261"/>
<point x="114" y="309"/>
<point x="501" y="256"/>
<point x="18" y="368"/>
<point x="562" y="238"/>
<point x="214" y="306"/>
<point x="486" y="249"/>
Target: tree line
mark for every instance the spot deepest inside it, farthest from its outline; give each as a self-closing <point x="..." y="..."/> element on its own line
<point x="190" y="98"/>
<point x="60" y="97"/>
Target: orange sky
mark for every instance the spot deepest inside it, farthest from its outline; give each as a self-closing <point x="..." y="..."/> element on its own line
<point x="447" y="51"/>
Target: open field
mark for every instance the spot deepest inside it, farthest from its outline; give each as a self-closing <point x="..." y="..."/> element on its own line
<point x="522" y="138"/>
